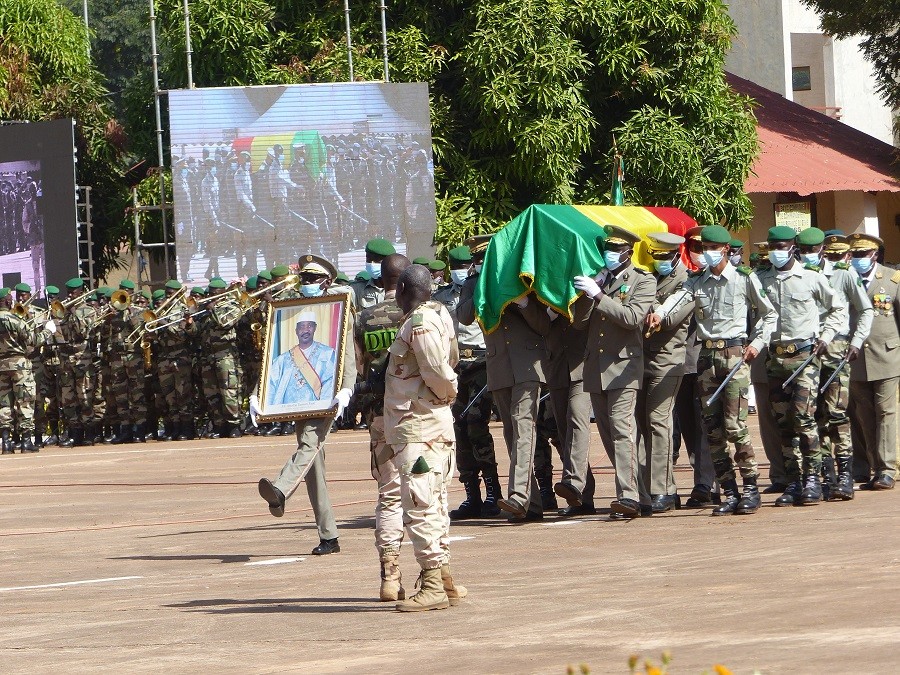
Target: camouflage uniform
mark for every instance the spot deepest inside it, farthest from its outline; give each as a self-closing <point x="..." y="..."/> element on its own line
<point x="77" y="373"/>
<point x="174" y="367"/>
<point x="128" y="367"/>
<point x="221" y="372"/>
<point x="17" y="390"/>
<point x="37" y="318"/>
<point x="108" y="366"/>
<point x="50" y="387"/>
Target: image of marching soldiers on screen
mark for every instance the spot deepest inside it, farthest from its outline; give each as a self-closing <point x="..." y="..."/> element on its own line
<point x="246" y="204"/>
<point x="21" y="220"/>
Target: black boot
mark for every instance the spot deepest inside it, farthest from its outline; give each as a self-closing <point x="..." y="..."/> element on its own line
<point x="109" y="433"/>
<point x="139" y="434"/>
<point x="829" y="477"/>
<point x="85" y="437"/>
<point x="67" y="440"/>
<point x="844" y="488"/>
<point x="38" y="438"/>
<point x="27" y="445"/>
<point x="125" y="435"/>
<point x="791" y="494"/>
<point x="471" y="505"/>
<point x="7" y="444"/>
<point x="750" y="499"/>
<point x="663" y="503"/>
<point x="492" y="494"/>
<point x="812" y="490"/>
<point x="548" y="496"/>
<point x="730" y="500"/>
<point x="273" y="429"/>
<point x="96" y="432"/>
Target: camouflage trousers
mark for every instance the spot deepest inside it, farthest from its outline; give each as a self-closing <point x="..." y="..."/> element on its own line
<point x="17" y="395"/>
<point x="175" y="387"/>
<point x="725" y="421"/>
<point x="40" y="411"/>
<point x="105" y="376"/>
<point x="222" y="387"/>
<point x="98" y="399"/>
<point x="474" y="443"/>
<point x="76" y="389"/>
<point x="50" y="392"/>
<point x="795" y="412"/>
<point x="831" y="405"/>
<point x="128" y="390"/>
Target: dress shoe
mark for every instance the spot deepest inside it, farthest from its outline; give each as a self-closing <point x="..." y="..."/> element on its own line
<point x="701" y="496"/>
<point x="327" y="546"/>
<point x="774" y="489"/>
<point x="580" y="510"/>
<point x="730" y="501"/>
<point x="273" y="496"/>
<point x="883" y="482"/>
<point x="272" y="430"/>
<point x="512" y="506"/>
<point x="530" y="517"/>
<point x="663" y="503"/>
<point x="791" y="494"/>
<point x="569" y="492"/>
<point x="626" y="507"/>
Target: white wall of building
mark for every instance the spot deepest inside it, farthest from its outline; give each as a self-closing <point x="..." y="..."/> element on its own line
<point x="761" y="52"/>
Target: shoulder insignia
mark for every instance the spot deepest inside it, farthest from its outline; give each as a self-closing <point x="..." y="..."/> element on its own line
<point x="859" y="281"/>
<point x="641" y="271"/>
<point x="841" y="266"/>
<point x="744" y="269"/>
<point x="814" y="268"/>
<point x="418" y="320"/>
<point x="896" y="277"/>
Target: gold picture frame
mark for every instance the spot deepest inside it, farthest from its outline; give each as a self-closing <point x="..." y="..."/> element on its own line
<point x="302" y="366"/>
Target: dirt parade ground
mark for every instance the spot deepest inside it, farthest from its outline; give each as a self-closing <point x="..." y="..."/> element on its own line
<point x="161" y="556"/>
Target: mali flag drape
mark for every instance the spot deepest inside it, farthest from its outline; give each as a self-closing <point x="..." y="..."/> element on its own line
<point x="546" y="246"/>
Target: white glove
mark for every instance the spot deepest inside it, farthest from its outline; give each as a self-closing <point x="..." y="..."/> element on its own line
<point x="590" y="287"/>
<point x="342" y="400"/>
<point x="522" y="303"/>
<point x="254" y="409"/>
<point x="50" y="326"/>
<point x="552" y="314"/>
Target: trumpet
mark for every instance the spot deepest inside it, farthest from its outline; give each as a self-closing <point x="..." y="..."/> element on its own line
<point x="59" y="308"/>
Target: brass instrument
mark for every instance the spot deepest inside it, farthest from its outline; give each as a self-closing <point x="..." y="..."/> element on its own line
<point x="59" y="308"/>
<point x="20" y="309"/>
<point x="138" y="334"/>
<point x="164" y="311"/>
<point x="119" y="301"/>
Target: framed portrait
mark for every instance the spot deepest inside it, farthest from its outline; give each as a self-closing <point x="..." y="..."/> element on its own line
<point x="303" y="357"/>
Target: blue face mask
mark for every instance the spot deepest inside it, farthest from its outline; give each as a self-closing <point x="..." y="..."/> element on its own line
<point x="810" y="258"/>
<point x="459" y="276"/>
<point x="861" y="265"/>
<point x="780" y="258"/>
<point x="663" y="267"/>
<point x="374" y="269"/>
<point x="612" y="259"/>
<point x="712" y="258"/>
<point x="311" y="290"/>
<point x="698" y="260"/>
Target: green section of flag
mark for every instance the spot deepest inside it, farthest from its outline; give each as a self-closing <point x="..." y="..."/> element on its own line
<point x="617" y="192"/>
<point x="544" y="248"/>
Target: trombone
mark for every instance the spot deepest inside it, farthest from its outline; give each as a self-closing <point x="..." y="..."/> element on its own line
<point x="139" y="331"/>
<point x="59" y="308"/>
<point x="161" y="314"/>
<point x="119" y="301"/>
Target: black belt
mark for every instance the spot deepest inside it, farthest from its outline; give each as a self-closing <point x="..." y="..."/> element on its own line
<point x="791" y="346"/>
<point x="723" y="343"/>
<point x="471" y="353"/>
<point x="841" y="337"/>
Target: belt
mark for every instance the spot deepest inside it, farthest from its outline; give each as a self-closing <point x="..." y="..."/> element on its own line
<point x="471" y="353"/>
<point x="791" y="346"/>
<point x="724" y="344"/>
<point x="841" y="337"/>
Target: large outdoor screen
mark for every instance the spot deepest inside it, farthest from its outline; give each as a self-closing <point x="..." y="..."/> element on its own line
<point x="262" y="175"/>
<point x="38" y="230"/>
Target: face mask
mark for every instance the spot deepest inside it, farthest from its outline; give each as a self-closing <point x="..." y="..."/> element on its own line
<point x="698" y="260"/>
<point x="713" y="258"/>
<point x="612" y="259"/>
<point x="374" y="269"/>
<point x="810" y="258"/>
<point x="735" y="259"/>
<point x="311" y="290"/>
<point x="663" y="267"/>
<point x="827" y="265"/>
<point x="477" y="269"/>
<point x="861" y="265"/>
<point x="780" y="258"/>
<point x="459" y="276"/>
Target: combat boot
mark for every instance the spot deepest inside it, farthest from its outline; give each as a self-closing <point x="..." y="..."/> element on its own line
<point x="67" y="440"/>
<point x="109" y="433"/>
<point x="471" y="505"/>
<point x="139" y="434"/>
<point x="730" y="500"/>
<point x="750" y="499"/>
<point x="96" y="432"/>
<point x="454" y="593"/>
<point x="829" y="477"/>
<point x="844" y="488"/>
<point x="125" y="435"/>
<point x="38" y="439"/>
<point x="7" y="444"/>
<point x="84" y="438"/>
<point x="431" y="594"/>
<point x="548" y="496"/>
<point x="791" y="494"/>
<point x="812" y="491"/>
<point x="492" y="494"/>
<point x="391" y="585"/>
<point x="27" y="445"/>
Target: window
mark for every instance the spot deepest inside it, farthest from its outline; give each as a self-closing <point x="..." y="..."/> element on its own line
<point x="801" y="79"/>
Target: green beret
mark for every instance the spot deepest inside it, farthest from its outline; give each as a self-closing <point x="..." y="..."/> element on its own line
<point x="437" y="265"/>
<point x="363" y="276"/>
<point x="811" y="236"/>
<point x="782" y="233"/>
<point x="281" y="271"/>
<point x="252" y="283"/>
<point x="715" y="234"/>
<point x="754" y="257"/>
<point x="174" y="285"/>
<point x="52" y="290"/>
<point x="22" y="288"/>
<point x="92" y="297"/>
<point x="736" y="243"/>
<point x="460" y="254"/>
<point x="4" y="292"/>
<point x="380" y="247"/>
<point x="218" y="282"/>
<point x="126" y="285"/>
<point x="421" y="260"/>
<point x="265" y="274"/>
<point x="146" y="294"/>
<point x="198" y="290"/>
<point x="105" y="290"/>
<point x="342" y="277"/>
<point x="74" y="283"/>
<point x="159" y="293"/>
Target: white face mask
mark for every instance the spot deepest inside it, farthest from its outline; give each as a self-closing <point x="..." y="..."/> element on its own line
<point x="459" y="276"/>
<point x="713" y="258"/>
<point x="810" y="258"/>
<point x="780" y="258"/>
<point x="478" y="268"/>
<point x="612" y="259"/>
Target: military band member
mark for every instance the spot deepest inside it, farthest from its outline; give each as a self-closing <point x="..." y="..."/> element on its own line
<point x="875" y="375"/>
<point x="50" y="386"/>
<point x="219" y="338"/>
<point x="734" y="320"/>
<point x="173" y="341"/>
<point x="77" y="373"/>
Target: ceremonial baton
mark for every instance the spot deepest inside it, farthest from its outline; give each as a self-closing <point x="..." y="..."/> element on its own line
<point x="472" y="402"/>
<point x="297" y="215"/>
<point x="259" y="217"/>
<point x="712" y="399"/>
<point x="354" y="214"/>
<point x="837" y="370"/>
<point x="231" y="227"/>
<point x="803" y="365"/>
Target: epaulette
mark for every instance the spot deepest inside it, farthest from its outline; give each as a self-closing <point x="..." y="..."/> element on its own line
<point x="696" y="273"/>
<point x="642" y="271"/>
<point x="895" y="277"/>
<point x="744" y="269"/>
<point x="814" y="268"/>
<point x="418" y="320"/>
<point x="841" y="266"/>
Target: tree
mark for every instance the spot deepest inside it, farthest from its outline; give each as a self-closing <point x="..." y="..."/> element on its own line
<point x="878" y="23"/>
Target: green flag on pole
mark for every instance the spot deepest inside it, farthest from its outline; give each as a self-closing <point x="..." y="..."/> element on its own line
<point x="617" y="193"/>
